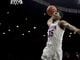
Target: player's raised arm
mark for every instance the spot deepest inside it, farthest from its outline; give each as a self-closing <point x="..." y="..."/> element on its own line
<point x="65" y="24"/>
<point x="49" y="22"/>
<point x="50" y="11"/>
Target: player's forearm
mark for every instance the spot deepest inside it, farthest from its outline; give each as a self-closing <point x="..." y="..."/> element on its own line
<point x="72" y="28"/>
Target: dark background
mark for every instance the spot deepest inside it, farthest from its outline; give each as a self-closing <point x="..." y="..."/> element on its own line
<point x="20" y="44"/>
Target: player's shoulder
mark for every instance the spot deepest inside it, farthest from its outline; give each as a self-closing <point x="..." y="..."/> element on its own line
<point x="49" y="22"/>
<point x="62" y="21"/>
<point x="61" y="24"/>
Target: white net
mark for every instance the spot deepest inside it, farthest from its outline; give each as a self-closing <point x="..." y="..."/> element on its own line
<point x="16" y="2"/>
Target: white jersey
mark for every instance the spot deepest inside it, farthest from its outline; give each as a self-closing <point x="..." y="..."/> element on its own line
<point x="55" y="35"/>
<point x="53" y="49"/>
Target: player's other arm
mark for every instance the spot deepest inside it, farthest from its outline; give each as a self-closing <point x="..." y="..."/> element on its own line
<point x="65" y="24"/>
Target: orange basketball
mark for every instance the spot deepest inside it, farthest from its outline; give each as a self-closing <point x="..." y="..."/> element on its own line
<point x="51" y="9"/>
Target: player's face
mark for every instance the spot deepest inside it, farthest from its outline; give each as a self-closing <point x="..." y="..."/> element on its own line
<point x="56" y="15"/>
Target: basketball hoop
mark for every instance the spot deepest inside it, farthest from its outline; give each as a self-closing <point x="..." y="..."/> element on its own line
<point x="16" y="2"/>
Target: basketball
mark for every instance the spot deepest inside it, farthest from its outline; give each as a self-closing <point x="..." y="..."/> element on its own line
<point x="51" y="9"/>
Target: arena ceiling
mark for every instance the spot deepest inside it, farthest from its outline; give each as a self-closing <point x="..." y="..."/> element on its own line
<point x="71" y="6"/>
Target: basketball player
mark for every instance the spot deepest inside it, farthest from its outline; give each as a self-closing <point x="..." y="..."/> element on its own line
<point x="53" y="49"/>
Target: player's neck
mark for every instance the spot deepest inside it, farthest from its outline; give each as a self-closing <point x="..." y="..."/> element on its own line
<point x="54" y="20"/>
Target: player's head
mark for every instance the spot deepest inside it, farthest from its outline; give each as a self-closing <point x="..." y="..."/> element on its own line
<point x="53" y="11"/>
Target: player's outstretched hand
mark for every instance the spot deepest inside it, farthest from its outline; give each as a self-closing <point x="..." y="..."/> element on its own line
<point x="78" y="31"/>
